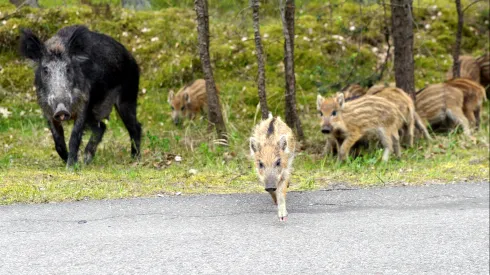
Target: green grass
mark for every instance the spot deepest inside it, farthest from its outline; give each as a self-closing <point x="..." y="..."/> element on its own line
<point x="31" y="171"/>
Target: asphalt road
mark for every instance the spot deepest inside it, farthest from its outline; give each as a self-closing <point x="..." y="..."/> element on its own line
<point x="435" y="229"/>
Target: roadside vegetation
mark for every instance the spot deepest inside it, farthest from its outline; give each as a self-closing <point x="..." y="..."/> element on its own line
<point x="336" y="44"/>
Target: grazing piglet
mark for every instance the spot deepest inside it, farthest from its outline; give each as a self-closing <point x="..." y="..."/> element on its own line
<point x="474" y="96"/>
<point x="406" y="106"/>
<point x="369" y="116"/>
<point x="468" y="68"/>
<point x="442" y="105"/>
<point x="80" y="75"/>
<point x="189" y="101"/>
<point x="272" y="147"/>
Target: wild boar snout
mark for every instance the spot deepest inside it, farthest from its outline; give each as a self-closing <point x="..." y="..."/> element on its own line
<point x="270" y="183"/>
<point x="61" y="113"/>
<point x="326" y="129"/>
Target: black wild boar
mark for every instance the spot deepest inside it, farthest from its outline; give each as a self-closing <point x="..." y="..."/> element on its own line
<point x="79" y="76"/>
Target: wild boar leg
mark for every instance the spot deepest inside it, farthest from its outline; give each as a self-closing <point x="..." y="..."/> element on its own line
<point x="274" y="197"/>
<point x="477" y="117"/>
<point x="98" y="129"/>
<point x="347" y="145"/>
<point x="281" y="201"/>
<point x="387" y="144"/>
<point x="127" y="112"/>
<point x="458" y="117"/>
<point x="76" y="137"/>
<point x="470" y="115"/>
<point x="59" y="138"/>
<point x="396" y="143"/>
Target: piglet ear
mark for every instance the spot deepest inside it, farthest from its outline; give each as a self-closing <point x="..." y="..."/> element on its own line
<point x="319" y="102"/>
<point x="76" y="45"/>
<point x="170" y="96"/>
<point x="340" y="100"/>
<point x="254" y="146"/>
<point x="30" y="46"/>
<point x="283" y="143"/>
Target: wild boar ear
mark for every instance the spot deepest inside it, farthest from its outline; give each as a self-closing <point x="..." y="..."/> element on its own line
<point x="30" y="46"/>
<point x="319" y="101"/>
<point x="170" y="96"/>
<point x="340" y="100"/>
<point x="283" y="143"/>
<point x="76" y="48"/>
<point x="254" y="146"/>
<point x="187" y="98"/>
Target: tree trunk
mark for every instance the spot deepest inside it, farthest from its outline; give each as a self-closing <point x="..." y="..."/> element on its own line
<point x="291" y="114"/>
<point x="214" y="109"/>
<point x="260" y="60"/>
<point x="32" y="3"/>
<point x="457" y="45"/>
<point x="402" y="30"/>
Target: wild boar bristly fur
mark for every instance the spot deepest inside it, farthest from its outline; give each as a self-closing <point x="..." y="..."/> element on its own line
<point x="189" y="100"/>
<point x="272" y="147"/>
<point x="366" y="116"/>
<point x="442" y="105"/>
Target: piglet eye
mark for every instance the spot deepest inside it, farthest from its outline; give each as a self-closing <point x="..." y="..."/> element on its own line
<point x="278" y="163"/>
<point x="321" y="114"/>
<point x="261" y="165"/>
<point x="182" y="109"/>
<point x="334" y="113"/>
<point x="45" y="70"/>
<point x="172" y="107"/>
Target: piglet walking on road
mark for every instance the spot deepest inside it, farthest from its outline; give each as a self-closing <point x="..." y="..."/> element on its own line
<point x="272" y="147"/>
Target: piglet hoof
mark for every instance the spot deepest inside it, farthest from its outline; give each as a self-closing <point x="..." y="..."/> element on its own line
<point x="283" y="219"/>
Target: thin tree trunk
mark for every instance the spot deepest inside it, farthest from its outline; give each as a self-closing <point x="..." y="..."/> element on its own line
<point x="291" y="114"/>
<point x="214" y="113"/>
<point x="260" y="60"/>
<point x="402" y="30"/>
<point x="457" y="45"/>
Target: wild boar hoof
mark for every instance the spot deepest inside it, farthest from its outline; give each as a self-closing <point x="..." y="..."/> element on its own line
<point x="70" y="164"/>
<point x="88" y="158"/>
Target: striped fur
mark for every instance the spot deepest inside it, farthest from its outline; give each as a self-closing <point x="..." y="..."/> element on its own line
<point x="354" y="91"/>
<point x="468" y="68"/>
<point x="474" y="96"/>
<point x="369" y="115"/>
<point x="406" y="106"/>
<point x="189" y="100"/>
<point x="272" y="147"/>
<point x="439" y="104"/>
<point x="378" y="87"/>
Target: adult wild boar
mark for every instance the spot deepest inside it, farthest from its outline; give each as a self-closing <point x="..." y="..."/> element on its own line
<point x="80" y="75"/>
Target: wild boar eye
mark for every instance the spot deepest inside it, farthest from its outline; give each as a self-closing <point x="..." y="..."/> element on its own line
<point x="182" y="109"/>
<point x="278" y="163"/>
<point x="172" y="107"/>
<point x="68" y="70"/>
<point x="321" y="114"/>
<point x="334" y="113"/>
<point x="45" y="70"/>
<point x="261" y="165"/>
